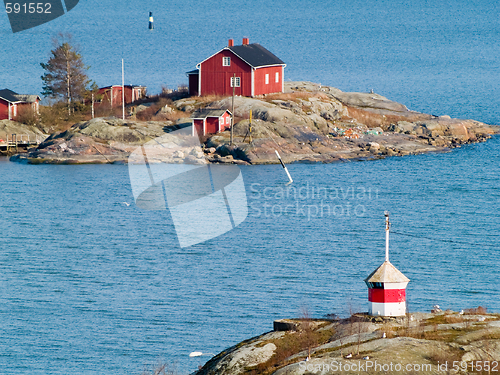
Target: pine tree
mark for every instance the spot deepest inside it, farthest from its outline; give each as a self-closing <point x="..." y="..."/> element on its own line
<point x="64" y="72"/>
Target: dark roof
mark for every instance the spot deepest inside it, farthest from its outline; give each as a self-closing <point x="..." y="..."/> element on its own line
<point x="133" y="86"/>
<point x="195" y="71"/>
<point x="208" y="112"/>
<point x="255" y="55"/>
<point x="9" y="95"/>
<point x="26" y="98"/>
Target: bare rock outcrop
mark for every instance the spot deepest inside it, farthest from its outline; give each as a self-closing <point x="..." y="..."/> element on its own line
<point x="315" y="123"/>
<point x="306" y="123"/>
<point x="436" y="343"/>
<point x="101" y="140"/>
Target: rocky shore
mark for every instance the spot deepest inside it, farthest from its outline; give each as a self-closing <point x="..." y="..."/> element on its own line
<point x="419" y="343"/>
<point x="307" y="123"/>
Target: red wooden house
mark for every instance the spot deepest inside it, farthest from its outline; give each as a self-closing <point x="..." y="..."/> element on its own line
<point x="111" y="96"/>
<point x="209" y="121"/>
<point x="250" y="68"/>
<point x="11" y="104"/>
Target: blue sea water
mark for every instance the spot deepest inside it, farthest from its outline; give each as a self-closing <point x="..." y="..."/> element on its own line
<point x="93" y="286"/>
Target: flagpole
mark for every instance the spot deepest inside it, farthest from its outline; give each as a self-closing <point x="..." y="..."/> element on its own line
<point x="123" y="92"/>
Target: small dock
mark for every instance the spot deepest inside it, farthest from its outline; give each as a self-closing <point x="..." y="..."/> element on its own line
<point x="14" y="142"/>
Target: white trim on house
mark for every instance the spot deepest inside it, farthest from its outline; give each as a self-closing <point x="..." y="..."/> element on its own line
<point x="268" y="66"/>
<point x="283" y="79"/>
<point x="252" y="79"/>
<point x="199" y="81"/>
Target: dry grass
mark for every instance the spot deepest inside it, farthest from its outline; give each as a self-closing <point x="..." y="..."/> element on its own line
<point x="207" y="99"/>
<point x="27" y="116"/>
<point x="161" y="369"/>
<point x="292" y="343"/>
<point x="440" y="357"/>
<point x="55" y="118"/>
<point x="480" y="310"/>
<point x="150" y="113"/>
<point x="295" y="96"/>
<point x="389" y="330"/>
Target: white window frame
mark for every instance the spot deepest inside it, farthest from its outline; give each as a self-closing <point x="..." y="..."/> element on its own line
<point x="228" y="120"/>
<point x="226" y="61"/>
<point x="267" y="78"/>
<point x="277" y="77"/>
<point x="237" y="80"/>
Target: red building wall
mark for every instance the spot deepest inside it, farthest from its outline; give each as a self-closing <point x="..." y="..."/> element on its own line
<point x="4" y="110"/>
<point x="198" y="124"/>
<point x="114" y="95"/>
<point x="226" y="123"/>
<point x="15" y="109"/>
<point x="260" y="86"/>
<point x="212" y="125"/>
<point x="216" y="79"/>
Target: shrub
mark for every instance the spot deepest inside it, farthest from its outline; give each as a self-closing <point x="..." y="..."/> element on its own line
<point x="28" y="116"/>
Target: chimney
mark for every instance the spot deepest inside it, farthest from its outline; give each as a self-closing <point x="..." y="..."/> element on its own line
<point x="230" y="43"/>
<point x="245" y="41"/>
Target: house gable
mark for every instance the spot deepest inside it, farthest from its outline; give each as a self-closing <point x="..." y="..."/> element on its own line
<point x="251" y="68"/>
<point x="215" y="77"/>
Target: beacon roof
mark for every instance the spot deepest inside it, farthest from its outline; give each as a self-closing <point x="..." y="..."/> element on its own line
<point x="386" y="273"/>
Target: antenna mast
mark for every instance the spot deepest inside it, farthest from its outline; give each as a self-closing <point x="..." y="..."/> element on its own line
<point x="387" y="225"/>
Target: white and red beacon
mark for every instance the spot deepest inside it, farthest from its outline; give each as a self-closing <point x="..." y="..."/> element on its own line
<point x="387" y="286"/>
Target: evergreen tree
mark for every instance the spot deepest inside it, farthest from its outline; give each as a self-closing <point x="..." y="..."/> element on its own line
<point x="64" y="72"/>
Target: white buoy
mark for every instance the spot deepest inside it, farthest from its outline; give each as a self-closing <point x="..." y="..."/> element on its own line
<point x="284" y="167"/>
<point x="195" y="354"/>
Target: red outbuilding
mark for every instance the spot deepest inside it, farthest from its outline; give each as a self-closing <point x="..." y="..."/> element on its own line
<point x="11" y="104"/>
<point x="250" y="68"/>
<point x="111" y="96"/>
<point x="210" y="121"/>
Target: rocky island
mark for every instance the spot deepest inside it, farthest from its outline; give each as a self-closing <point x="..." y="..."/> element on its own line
<point x="419" y="343"/>
<point x="306" y="123"/>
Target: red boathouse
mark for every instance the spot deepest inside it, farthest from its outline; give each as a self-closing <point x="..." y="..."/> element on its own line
<point x="250" y="68"/>
<point x="12" y="103"/>
<point x="210" y="121"/>
<point x="111" y="96"/>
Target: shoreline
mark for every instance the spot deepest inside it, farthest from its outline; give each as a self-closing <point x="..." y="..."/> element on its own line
<point x="313" y="346"/>
<point x="308" y="123"/>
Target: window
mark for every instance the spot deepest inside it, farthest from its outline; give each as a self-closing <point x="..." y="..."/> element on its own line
<point x="226" y="61"/>
<point x="277" y="77"/>
<point x="228" y="120"/>
<point x="235" y="81"/>
<point x="267" y="79"/>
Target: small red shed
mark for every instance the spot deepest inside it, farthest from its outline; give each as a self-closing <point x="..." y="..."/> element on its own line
<point x="11" y="103"/>
<point x="210" y="121"/>
<point x="250" y="68"/>
<point x="112" y="95"/>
